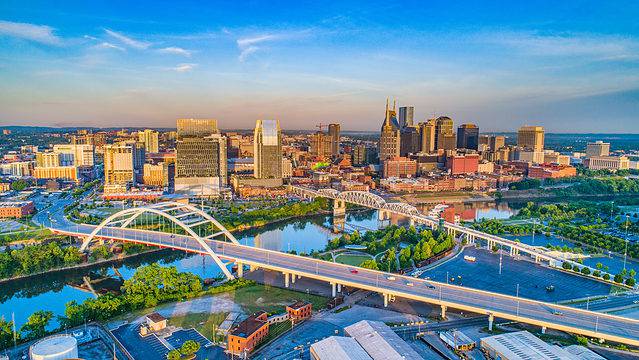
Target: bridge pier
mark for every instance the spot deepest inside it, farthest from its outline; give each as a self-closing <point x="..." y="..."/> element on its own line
<point x="333" y="289"/>
<point x="444" y="308"/>
<point x="240" y="269"/>
<point x="385" y="300"/>
<point x="339" y="207"/>
<point x="339" y="288"/>
<point x="543" y="329"/>
<point x="286" y="280"/>
<point x="293" y="276"/>
<point x="491" y="318"/>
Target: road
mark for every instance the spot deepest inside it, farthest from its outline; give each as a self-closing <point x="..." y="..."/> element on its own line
<point x="559" y="317"/>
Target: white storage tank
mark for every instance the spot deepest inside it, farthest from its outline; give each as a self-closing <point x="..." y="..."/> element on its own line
<point x="56" y="347"/>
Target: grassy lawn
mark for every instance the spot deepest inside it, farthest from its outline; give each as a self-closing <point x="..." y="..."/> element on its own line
<point x="275" y="331"/>
<point x="271" y="299"/>
<point x="205" y="323"/>
<point x="349" y="259"/>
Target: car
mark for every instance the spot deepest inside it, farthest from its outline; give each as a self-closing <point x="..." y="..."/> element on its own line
<point x="557" y="313"/>
<point x="354" y="271"/>
<point x="391" y="278"/>
<point x="410" y="284"/>
<point x="430" y="286"/>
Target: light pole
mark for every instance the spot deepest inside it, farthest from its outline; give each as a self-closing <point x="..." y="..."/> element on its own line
<point x="517" y="299"/>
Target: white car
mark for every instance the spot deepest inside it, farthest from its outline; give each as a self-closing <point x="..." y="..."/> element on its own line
<point x="391" y="278"/>
<point x="410" y="284"/>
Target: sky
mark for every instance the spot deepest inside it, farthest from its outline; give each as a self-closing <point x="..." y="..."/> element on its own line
<point x="571" y="66"/>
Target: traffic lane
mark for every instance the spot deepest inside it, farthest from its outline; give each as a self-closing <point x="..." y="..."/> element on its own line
<point x="451" y="294"/>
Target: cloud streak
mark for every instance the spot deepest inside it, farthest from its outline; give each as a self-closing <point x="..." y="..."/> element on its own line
<point x="252" y="44"/>
<point x="128" y="41"/>
<point x="38" y="33"/>
<point x="182" y="68"/>
<point x="173" y="50"/>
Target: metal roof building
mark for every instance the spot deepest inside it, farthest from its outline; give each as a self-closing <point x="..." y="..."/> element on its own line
<point x="380" y="341"/>
<point x="583" y="352"/>
<point x="338" y="347"/>
<point x="523" y="345"/>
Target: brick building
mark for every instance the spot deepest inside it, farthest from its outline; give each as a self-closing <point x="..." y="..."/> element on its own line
<point x="243" y="338"/>
<point x="299" y="310"/>
<point x="463" y="164"/>
<point x="400" y="167"/>
<point x="551" y="171"/>
<point x="16" y="209"/>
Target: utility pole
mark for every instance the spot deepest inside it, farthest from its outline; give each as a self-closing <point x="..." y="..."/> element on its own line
<point x="625" y="252"/>
<point x="517" y="299"/>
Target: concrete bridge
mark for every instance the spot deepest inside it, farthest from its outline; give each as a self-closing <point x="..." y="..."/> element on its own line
<point x="184" y="227"/>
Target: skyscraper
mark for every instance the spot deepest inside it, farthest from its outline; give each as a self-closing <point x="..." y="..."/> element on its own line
<point x="597" y="148"/>
<point x="389" y="140"/>
<point x="334" y="134"/>
<point x="531" y="138"/>
<point x="267" y="153"/>
<point x="496" y="142"/>
<point x="443" y="132"/>
<point x="427" y="133"/>
<point x="150" y="139"/>
<point x="410" y="140"/>
<point x="123" y="166"/>
<point x="406" y="114"/>
<point x="468" y="137"/>
<point x="200" y="164"/>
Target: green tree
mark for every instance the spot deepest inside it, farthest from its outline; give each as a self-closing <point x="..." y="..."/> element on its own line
<point x="174" y="355"/>
<point x="606" y="276"/>
<point x="618" y="278"/>
<point x="585" y="271"/>
<point x="369" y="264"/>
<point x="6" y="333"/>
<point x="566" y="265"/>
<point x="19" y="185"/>
<point x="632" y="273"/>
<point x="36" y="325"/>
<point x="189" y="347"/>
<point x="630" y="281"/>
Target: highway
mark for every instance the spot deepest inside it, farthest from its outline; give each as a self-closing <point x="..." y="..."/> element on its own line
<point x="559" y="317"/>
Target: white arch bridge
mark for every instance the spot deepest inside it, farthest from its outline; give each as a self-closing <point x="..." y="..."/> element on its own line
<point x="184" y="227"/>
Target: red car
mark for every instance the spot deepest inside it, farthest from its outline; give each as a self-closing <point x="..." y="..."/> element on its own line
<point x="354" y="271"/>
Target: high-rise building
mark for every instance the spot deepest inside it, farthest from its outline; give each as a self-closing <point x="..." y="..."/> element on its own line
<point x="468" y="137"/>
<point x="597" y="148"/>
<point x="321" y="144"/>
<point x="406" y="114"/>
<point x="531" y="137"/>
<point x="496" y="142"/>
<point x="427" y="133"/>
<point x="267" y="153"/>
<point x="410" y="142"/>
<point x="389" y="140"/>
<point x="200" y="164"/>
<point x="159" y="175"/>
<point x="76" y="155"/>
<point x="443" y="129"/>
<point x="150" y="140"/>
<point x="364" y="155"/>
<point x="123" y="166"/>
<point x="334" y="134"/>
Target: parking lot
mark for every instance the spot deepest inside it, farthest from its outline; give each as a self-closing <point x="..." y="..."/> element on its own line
<point x="533" y="279"/>
<point x="149" y="347"/>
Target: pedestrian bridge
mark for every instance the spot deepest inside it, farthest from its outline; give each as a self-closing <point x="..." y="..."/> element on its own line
<point x="183" y="227"/>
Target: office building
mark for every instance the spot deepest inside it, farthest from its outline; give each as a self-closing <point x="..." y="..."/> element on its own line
<point x="553" y="157"/>
<point x="443" y="133"/>
<point x="245" y="336"/>
<point x="410" y="141"/>
<point x="364" y="155"/>
<point x="531" y="138"/>
<point x="200" y="163"/>
<point x="74" y="155"/>
<point x="267" y="143"/>
<point x="468" y="137"/>
<point x="389" y="140"/>
<point x="529" y="156"/>
<point x="123" y="166"/>
<point x="463" y="164"/>
<point x="496" y="142"/>
<point x="159" y="175"/>
<point x="427" y="134"/>
<point x="150" y="139"/>
<point x="607" y="163"/>
<point x="16" y="209"/>
<point x="17" y="168"/>
<point x="380" y="341"/>
<point x="597" y="148"/>
<point x="406" y="114"/>
<point x="66" y="162"/>
<point x="334" y="135"/>
<point x="400" y="167"/>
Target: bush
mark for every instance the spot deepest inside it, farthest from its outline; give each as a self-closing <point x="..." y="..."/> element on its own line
<point x="596" y="273"/>
<point x="630" y="282"/>
<point x="174" y="355"/>
<point x="618" y="278"/>
<point x="585" y="271"/>
<point x="189" y="347"/>
<point x="606" y="277"/>
<point x="566" y="266"/>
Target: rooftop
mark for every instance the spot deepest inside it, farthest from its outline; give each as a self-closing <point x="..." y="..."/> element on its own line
<point x="380" y="341"/>
<point x="248" y="326"/>
<point x="338" y="347"/>
<point x="155" y="317"/>
<point x="298" y="304"/>
<point x="525" y="346"/>
<point x="14" y="204"/>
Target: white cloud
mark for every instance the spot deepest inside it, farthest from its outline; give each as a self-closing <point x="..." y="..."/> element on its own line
<point x="175" y="51"/>
<point x="128" y="41"/>
<point x="108" y="45"/>
<point x="250" y="45"/>
<point x="38" y="33"/>
<point x="184" y="67"/>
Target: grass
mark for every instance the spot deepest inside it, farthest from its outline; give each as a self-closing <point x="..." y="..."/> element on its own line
<point x="350" y="259"/>
<point x="205" y="323"/>
<point x="273" y="300"/>
<point x="274" y="331"/>
<point x="343" y="308"/>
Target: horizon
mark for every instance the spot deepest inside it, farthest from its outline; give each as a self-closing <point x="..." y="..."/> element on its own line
<point x="498" y="66"/>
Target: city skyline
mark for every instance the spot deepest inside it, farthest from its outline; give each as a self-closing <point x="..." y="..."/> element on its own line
<point x="500" y="67"/>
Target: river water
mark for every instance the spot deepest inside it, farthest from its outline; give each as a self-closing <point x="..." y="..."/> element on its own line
<point x="52" y="291"/>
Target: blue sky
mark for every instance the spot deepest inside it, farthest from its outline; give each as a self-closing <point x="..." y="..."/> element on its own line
<point x="572" y="66"/>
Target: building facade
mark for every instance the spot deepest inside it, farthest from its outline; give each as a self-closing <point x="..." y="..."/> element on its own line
<point x="427" y="134"/>
<point x="399" y="167"/>
<point x="443" y="133"/>
<point x="468" y="137"/>
<point x="150" y="139"/>
<point x="597" y="148"/>
<point x="390" y="138"/>
<point x="406" y="114"/>
<point x="267" y="153"/>
<point x="531" y="138"/>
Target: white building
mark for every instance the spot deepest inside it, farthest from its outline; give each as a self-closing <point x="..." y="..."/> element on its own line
<point x="523" y="345"/>
<point x="380" y="341"/>
<point x="338" y="347"/>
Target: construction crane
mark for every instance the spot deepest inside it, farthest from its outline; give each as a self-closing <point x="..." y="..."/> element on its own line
<point x="321" y="126"/>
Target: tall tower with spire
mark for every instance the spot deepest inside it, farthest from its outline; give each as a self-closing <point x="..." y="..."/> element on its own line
<point x="389" y="139"/>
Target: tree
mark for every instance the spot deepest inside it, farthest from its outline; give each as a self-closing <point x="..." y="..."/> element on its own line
<point x="173" y="355"/>
<point x="369" y="264"/>
<point x="618" y="278"/>
<point x="630" y="282"/>
<point x="606" y="276"/>
<point x="36" y="325"/>
<point x="6" y="333"/>
<point x="566" y="265"/>
<point x="189" y="347"/>
<point x="585" y="271"/>
<point x="596" y="273"/>
<point x="19" y="185"/>
<point x="632" y="273"/>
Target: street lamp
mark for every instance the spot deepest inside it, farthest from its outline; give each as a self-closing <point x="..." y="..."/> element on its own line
<point x="517" y="299"/>
<point x="625" y="252"/>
